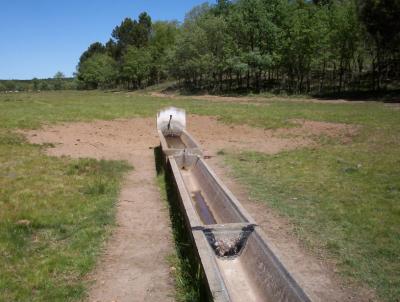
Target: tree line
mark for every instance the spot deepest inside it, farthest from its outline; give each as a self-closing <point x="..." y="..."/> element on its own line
<point x="58" y="82"/>
<point x="136" y="55"/>
<point x="318" y="46"/>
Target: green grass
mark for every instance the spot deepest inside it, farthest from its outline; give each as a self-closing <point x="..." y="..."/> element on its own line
<point x="342" y="199"/>
<point x="54" y="215"/>
<point x="31" y="110"/>
<point x="182" y="268"/>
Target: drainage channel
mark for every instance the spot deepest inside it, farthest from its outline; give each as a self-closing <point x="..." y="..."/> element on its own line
<point x="234" y="254"/>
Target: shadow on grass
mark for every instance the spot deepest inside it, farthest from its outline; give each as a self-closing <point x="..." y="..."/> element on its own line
<point x="386" y="96"/>
<point x="189" y="276"/>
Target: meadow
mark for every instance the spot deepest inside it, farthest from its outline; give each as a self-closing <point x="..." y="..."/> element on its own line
<point x="341" y="198"/>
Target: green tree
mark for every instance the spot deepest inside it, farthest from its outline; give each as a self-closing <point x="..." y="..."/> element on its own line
<point x="223" y="7"/>
<point x="136" y="66"/>
<point x="197" y="12"/>
<point x="344" y="39"/>
<point x="112" y="49"/>
<point x="44" y="85"/>
<point x="144" y="28"/>
<point x="190" y="47"/>
<point x="163" y="38"/>
<point x="211" y="47"/>
<point x="381" y="18"/>
<point x="10" y="85"/>
<point x="94" y="48"/>
<point x="35" y="84"/>
<point x="59" y="80"/>
<point x="99" y="71"/>
<point x="133" y="33"/>
<point x="297" y="46"/>
<point x="125" y="33"/>
<point x="382" y="21"/>
<point x="301" y="44"/>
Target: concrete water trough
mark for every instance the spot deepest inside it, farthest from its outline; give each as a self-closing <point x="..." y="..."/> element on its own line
<point x="232" y="250"/>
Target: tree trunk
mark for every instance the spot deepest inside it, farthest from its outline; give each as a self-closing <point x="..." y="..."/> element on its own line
<point x="322" y="78"/>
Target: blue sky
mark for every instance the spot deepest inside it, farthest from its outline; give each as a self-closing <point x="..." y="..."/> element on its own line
<point x="39" y="38"/>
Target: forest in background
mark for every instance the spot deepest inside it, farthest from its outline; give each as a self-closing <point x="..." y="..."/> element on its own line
<point x="276" y="45"/>
<point x="58" y="82"/>
<point x="281" y="46"/>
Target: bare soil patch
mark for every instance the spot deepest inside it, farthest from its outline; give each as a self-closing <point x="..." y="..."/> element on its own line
<point x="133" y="267"/>
<point x="214" y="135"/>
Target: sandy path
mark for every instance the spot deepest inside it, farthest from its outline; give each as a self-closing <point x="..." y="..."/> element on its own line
<point x="133" y="266"/>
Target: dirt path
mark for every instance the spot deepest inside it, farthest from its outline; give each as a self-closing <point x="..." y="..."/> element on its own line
<point x="133" y="266"/>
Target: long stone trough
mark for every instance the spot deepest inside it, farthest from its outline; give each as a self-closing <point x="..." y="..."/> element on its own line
<point x="232" y="250"/>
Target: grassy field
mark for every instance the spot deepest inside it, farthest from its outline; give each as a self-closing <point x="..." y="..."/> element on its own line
<point x="343" y="199"/>
<point x="33" y="109"/>
<point x="54" y="214"/>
